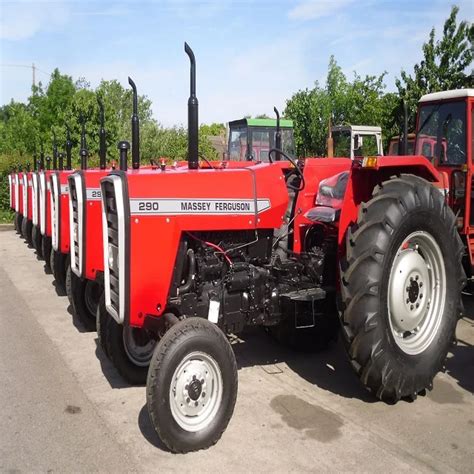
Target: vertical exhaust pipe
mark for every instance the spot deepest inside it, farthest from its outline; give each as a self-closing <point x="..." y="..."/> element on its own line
<point x="35" y="161"/>
<point x="193" y="119"/>
<point x="135" y="128"/>
<point x="55" y="152"/>
<point x="277" y="134"/>
<point x="48" y="163"/>
<point x="41" y="157"/>
<point x="102" y="144"/>
<point x="84" y="153"/>
<point x="68" y="149"/>
<point x="405" y="129"/>
<point x="61" y="161"/>
<point x="123" y="147"/>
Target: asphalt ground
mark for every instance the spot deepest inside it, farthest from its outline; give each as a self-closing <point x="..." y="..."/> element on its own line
<point x="63" y="407"/>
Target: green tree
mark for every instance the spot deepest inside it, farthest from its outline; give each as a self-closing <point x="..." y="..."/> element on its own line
<point x="361" y="101"/>
<point x="445" y="64"/>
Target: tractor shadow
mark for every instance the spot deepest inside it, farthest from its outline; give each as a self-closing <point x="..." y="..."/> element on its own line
<point x="329" y="370"/>
<point x="147" y="430"/>
<point x="460" y="363"/>
<point x="76" y="321"/>
<point x="111" y="374"/>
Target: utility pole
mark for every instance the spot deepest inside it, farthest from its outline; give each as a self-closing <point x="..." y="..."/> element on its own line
<point x="33" y="68"/>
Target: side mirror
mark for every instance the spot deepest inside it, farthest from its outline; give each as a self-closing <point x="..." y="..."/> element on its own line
<point x="357" y="142"/>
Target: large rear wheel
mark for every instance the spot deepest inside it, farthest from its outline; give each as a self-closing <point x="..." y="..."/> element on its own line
<point x="85" y="297"/>
<point x="401" y="287"/>
<point x="192" y="385"/>
<point x="130" y="349"/>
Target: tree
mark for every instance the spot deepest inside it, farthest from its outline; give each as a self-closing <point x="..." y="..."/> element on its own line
<point x="444" y="65"/>
<point x="360" y="102"/>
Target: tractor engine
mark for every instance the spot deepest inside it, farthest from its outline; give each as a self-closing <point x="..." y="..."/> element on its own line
<point x="234" y="278"/>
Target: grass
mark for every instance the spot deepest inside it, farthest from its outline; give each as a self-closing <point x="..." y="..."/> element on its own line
<point x="6" y="216"/>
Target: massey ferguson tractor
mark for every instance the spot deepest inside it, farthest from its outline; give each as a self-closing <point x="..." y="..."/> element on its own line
<point x="45" y="211"/>
<point x="84" y="277"/>
<point x="196" y="253"/>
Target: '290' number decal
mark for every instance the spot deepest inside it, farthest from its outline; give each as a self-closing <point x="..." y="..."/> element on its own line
<point x="148" y="206"/>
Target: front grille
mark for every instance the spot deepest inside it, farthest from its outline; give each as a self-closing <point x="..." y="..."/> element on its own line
<point x="42" y="202"/>
<point x="25" y="195"/>
<point x="113" y="229"/>
<point x="55" y="211"/>
<point x="76" y="220"/>
<point x="17" y="193"/>
<point x="10" y="189"/>
<point x="34" y="198"/>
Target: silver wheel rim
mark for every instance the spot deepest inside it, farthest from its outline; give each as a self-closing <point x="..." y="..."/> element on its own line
<point x="91" y="299"/>
<point x="196" y="391"/>
<point x="416" y="292"/>
<point x="139" y="345"/>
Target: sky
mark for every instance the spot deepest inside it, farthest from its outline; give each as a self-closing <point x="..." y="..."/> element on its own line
<point x="251" y="54"/>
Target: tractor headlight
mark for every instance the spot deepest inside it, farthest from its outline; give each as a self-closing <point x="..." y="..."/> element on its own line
<point x="111" y="257"/>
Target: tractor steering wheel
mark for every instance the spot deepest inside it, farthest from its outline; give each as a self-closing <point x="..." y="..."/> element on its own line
<point x="296" y="170"/>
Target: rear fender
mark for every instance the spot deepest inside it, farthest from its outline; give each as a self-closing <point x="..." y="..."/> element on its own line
<point x="363" y="180"/>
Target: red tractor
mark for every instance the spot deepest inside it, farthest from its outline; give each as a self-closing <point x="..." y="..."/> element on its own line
<point x="85" y="274"/>
<point x="193" y="254"/>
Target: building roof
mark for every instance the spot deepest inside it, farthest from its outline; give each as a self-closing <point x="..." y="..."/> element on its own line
<point x="446" y="95"/>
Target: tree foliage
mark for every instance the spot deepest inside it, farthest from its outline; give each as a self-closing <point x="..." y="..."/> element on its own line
<point x="445" y="64"/>
<point x="361" y="101"/>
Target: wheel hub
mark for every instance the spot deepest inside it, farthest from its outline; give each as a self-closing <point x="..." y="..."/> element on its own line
<point x="416" y="292"/>
<point x="195" y="391"/>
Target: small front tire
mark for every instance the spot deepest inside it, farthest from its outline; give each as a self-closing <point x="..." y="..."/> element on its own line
<point x="192" y="385"/>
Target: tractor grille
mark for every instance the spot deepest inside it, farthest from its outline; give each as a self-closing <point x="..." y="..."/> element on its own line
<point x="17" y="193"/>
<point x="114" y="245"/>
<point x="42" y="202"/>
<point x="76" y="221"/>
<point x="55" y="210"/>
<point x="34" y="198"/>
<point x="25" y="195"/>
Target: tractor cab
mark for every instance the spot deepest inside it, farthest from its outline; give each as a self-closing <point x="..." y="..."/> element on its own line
<point x="356" y="140"/>
<point x="252" y="139"/>
<point x="445" y="137"/>
<point x="395" y="148"/>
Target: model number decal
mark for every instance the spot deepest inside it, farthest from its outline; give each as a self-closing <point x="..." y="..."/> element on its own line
<point x="93" y="194"/>
<point x="197" y="206"/>
<point x="64" y="189"/>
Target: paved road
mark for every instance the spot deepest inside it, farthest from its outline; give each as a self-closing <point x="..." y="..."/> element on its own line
<point x="64" y="408"/>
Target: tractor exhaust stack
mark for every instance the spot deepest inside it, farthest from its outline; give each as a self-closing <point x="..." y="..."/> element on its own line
<point x="61" y="161"/>
<point x="277" y="134"/>
<point x="135" y="128"/>
<point x="68" y="148"/>
<point x="405" y="129"/>
<point x="41" y="157"/>
<point x="193" y="119"/>
<point x="102" y="144"/>
<point x="55" y="152"/>
<point x="84" y="153"/>
<point x="123" y="147"/>
<point x="48" y="163"/>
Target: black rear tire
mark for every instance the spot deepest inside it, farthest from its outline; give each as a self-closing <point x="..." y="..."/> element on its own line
<point x="46" y="250"/>
<point x="102" y="318"/>
<point x="18" y="221"/>
<point x="191" y="338"/>
<point x="381" y="356"/>
<point x="133" y="359"/>
<point x="84" y="303"/>
<point x="59" y="263"/>
<point x="36" y="239"/>
<point x="69" y="284"/>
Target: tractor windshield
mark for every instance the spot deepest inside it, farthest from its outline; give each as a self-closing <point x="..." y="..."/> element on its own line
<point x="254" y="143"/>
<point x="442" y="133"/>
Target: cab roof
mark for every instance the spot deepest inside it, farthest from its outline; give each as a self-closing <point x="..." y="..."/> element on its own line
<point x="249" y="122"/>
<point x="445" y="95"/>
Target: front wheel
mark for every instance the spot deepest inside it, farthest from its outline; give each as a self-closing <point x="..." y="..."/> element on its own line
<point x="401" y="287"/>
<point x="192" y="385"/>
